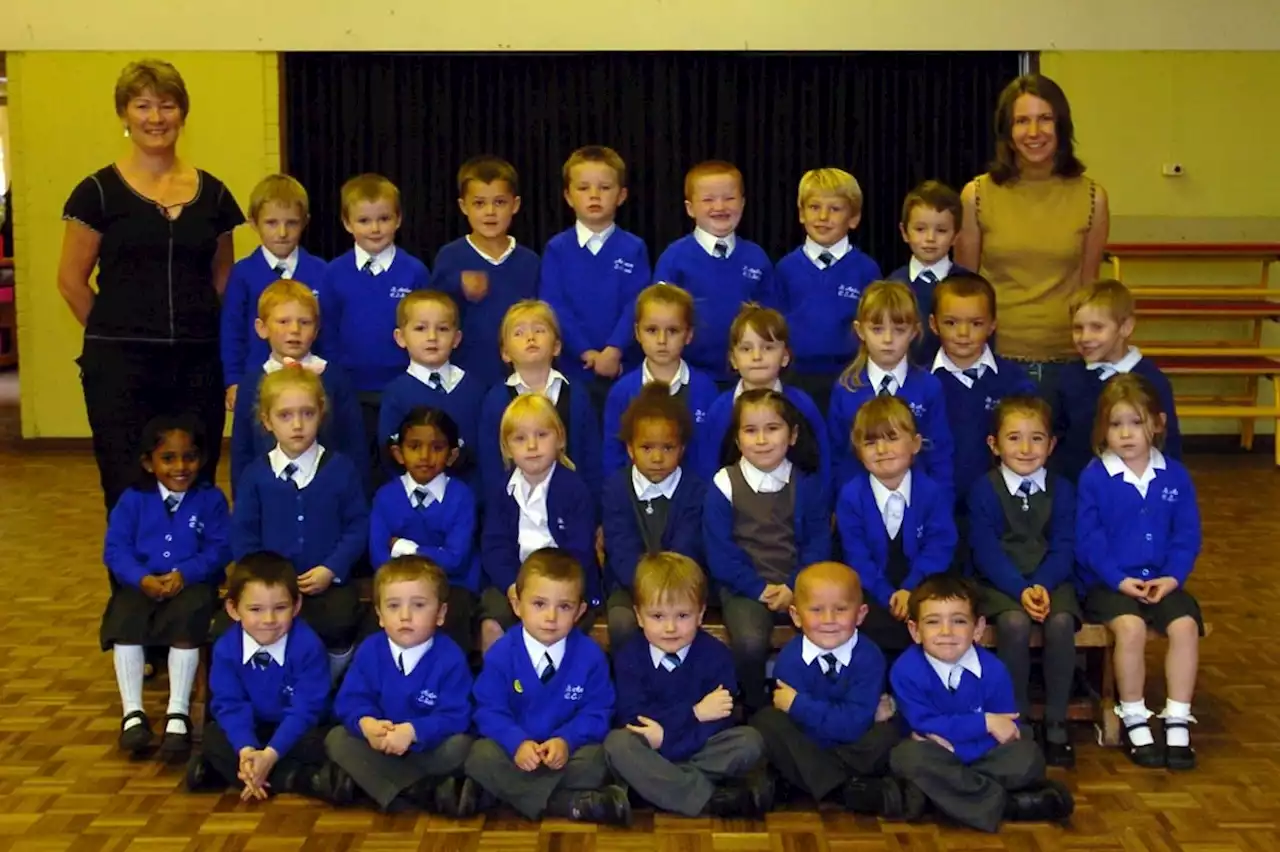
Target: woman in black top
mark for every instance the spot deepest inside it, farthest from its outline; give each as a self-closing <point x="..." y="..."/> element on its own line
<point x="159" y="232"/>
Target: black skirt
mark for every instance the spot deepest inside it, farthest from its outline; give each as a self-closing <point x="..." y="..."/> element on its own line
<point x="132" y="618"/>
<point x="1102" y="605"/>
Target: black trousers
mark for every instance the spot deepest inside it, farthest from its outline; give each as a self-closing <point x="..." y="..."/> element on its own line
<point x="127" y="384"/>
<point x="306" y="756"/>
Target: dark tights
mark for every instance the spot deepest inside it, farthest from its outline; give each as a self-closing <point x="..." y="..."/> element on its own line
<point x="1013" y="646"/>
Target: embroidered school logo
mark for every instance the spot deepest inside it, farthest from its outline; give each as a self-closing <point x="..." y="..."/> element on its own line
<point x="573" y="693"/>
<point x="196" y="524"/>
<point x="286" y="692"/>
<point x="917" y="410"/>
<point x="398" y="293"/>
<point x="991" y="403"/>
<point x="699" y="415"/>
<point x="920" y="532"/>
<point x="1169" y="495"/>
<point x="427" y="698"/>
<point x="751" y="273"/>
<point x="845" y="291"/>
<point x="560" y="524"/>
<point x="621" y="265"/>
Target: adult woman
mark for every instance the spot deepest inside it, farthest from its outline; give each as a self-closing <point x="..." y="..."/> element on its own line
<point x="159" y="232"/>
<point x="1034" y="225"/>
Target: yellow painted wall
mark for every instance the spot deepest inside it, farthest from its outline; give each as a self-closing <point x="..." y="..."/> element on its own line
<point x="63" y="126"/>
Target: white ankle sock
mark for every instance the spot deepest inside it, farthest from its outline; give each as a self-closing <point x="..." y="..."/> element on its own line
<point x="182" y="675"/>
<point x="1136" y="713"/>
<point x="338" y="663"/>
<point x="129" y="660"/>
<point x="1181" y="712"/>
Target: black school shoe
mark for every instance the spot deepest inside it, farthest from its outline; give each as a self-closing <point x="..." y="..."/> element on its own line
<point x="138" y="737"/>
<point x="750" y="798"/>
<point x="607" y="806"/>
<point x="1147" y="756"/>
<point x="175" y="745"/>
<point x="1178" y="758"/>
<point x="330" y="783"/>
<point x="880" y="797"/>
<point x="1047" y="802"/>
<point x="1061" y="754"/>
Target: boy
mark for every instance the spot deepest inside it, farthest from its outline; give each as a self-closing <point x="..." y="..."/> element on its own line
<point x="404" y="706"/>
<point x="543" y="704"/>
<point x="1102" y="322"/>
<point x="967" y="753"/>
<point x="931" y="218"/>
<point x="592" y="272"/>
<point x="278" y="212"/>
<point x="269" y="680"/>
<point x="821" y="733"/>
<point x="819" y="283"/>
<point x="288" y="319"/>
<point x="678" y="743"/>
<point x="719" y="269"/>
<point x="664" y="327"/>
<point x="485" y="272"/>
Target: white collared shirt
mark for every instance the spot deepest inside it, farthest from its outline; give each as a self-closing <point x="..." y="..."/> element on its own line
<point x="307" y="464"/>
<point x="554" y="380"/>
<point x="1115" y="465"/>
<point x="708" y="242"/>
<point x="409" y="657"/>
<point x="276" y="649"/>
<point x="950" y="673"/>
<point x="311" y="362"/>
<point x="759" y="481"/>
<point x="290" y="262"/>
<point x="165" y="493"/>
<point x="892" y="504"/>
<point x="740" y="388"/>
<point x="1013" y="481"/>
<point x="495" y="261"/>
<point x="814" y="250"/>
<point x="681" y="378"/>
<point x="435" y="494"/>
<point x="986" y="361"/>
<point x="591" y="240"/>
<point x="940" y="270"/>
<point x="450" y="374"/>
<point x="875" y="374"/>
<point x="381" y="261"/>
<point x="844" y="652"/>
<point x="646" y="490"/>
<point x="538" y="651"/>
<point x="1107" y="369"/>
<point x="534" y="529"/>
<point x="659" y="656"/>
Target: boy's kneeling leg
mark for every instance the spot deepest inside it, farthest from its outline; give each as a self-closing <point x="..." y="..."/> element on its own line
<point x="957" y="790"/>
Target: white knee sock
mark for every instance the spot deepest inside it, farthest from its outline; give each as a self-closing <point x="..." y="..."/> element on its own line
<point x="129" y="660"/>
<point x="1181" y="712"/>
<point x="182" y="674"/>
<point x="338" y="664"/>
<point x="1136" y="713"/>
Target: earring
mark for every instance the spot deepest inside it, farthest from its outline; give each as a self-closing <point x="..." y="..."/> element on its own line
<point x="126" y="133"/>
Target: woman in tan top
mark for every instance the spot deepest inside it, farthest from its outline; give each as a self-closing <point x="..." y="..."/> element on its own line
<point x="1034" y="225"/>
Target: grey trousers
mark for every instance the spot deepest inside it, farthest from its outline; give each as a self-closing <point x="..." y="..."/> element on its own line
<point x="818" y="771"/>
<point x="685" y="787"/>
<point x="385" y="776"/>
<point x="492" y="768"/>
<point x="974" y="794"/>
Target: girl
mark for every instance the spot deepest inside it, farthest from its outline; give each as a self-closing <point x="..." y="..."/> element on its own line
<point x="166" y="548"/>
<point x="765" y="518"/>
<point x="1137" y="538"/>
<point x="888" y="320"/>
<point x="543" y="503"/>
<point x="308" y="505"/>
<point x="429" y="513"/>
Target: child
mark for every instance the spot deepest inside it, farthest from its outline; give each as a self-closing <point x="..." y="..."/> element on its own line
<point x="288" y="318"/>
<point x="1101" y="324"/>
<point x="1137" y="539"/>
<point x="819" y="283"/>
<point x="931" y="217"/>
<point x="888" y="321"/>
<point x="719" y="269"/>
<point x="269" y="686"/>
<point x="307" y="504"/>
<point x="543" y="704"/>
<point x="544" y="503"/>
<point x="278" y="212"/>
<point x="967" y="753"/>
<point x="664" y="327"/>
<point x="821" y="733"/>
<point x="765" y="518"/>
<point x="1022" y="531"/>
<point x="429" y="513"/>
<point x="759" y="349"/>
<point x="678" y="746"/>
<point x="485" y="272"/>
<point x="166" y="548"/>
<point x="530" y="340"/>
<point x="592" y="272"/>
<point x="427" y="328"/>
<point x="896" y="523"/>
<point x="652" y="506"/>
<point x="405" y="705"/>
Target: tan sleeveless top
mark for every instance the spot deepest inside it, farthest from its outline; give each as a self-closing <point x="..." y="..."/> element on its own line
<point x="1033" y="235"/>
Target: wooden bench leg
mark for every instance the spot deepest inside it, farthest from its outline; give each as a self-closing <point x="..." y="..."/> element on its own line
<point x="1248" y="425"/>
<point x="1275" y="395"/>
<point x="1109" y="722"/>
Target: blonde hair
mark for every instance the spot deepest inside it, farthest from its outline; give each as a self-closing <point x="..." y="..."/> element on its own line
<point x="371" y="188"/>
<point x="669" y="577"/>
<point x="411" y="568"/>
<point x="283" y="292"/>
<point x="554" y="564"/>
<point x="827" y="572"/>
<point x="891" y="299"/>
<point x="536" y="407"/>
<point x="601" y="154"/>
<point x="830" y="182"/>
<point x="424" y="297"/>
<point x="882" y="417"/>
<point x="711" y="168"/>
<point x="1106" y="295"/>
<point x="532" y="308"/>
<point x="1129" y="389"/>
<point x="151" y="75"/>
<point x="663" y="293"/>
<point x="292" y="377"/>
<point x="279" y="189"/>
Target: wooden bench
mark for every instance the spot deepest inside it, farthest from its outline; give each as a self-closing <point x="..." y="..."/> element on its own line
<point x="1251" y="363"/>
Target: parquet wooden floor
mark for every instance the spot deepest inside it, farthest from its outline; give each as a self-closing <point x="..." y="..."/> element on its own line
<point x="63" y="785"/>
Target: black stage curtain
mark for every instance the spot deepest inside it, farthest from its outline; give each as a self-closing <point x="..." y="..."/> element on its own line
<point x="892" y="119"/>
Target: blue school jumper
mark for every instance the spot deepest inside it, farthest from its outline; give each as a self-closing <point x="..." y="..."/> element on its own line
<point x="406" y="392"/>
<point x="820" y="306"/>
<point x="594" y="295"/>
<point x="988" y="525"/>
<point x="1121" y="534"/>
<point x="697" y="395"/>
<point x="435" y="697"/>
<point x="326" y="523"/>
<point x="922" y="392"/>
<point x="928" y="534"/>
<point x="143" y="539"/>
<point x="514" y="279"/>
<point x="707" y="457"/>
<point x="719" y="286"/>
<point x="623" y="537"/>
<point x="444" y="531"/>
<point x="242" y="349"/>
<point x="293" y="697"/>
<point x="925" y="347"/>
<point x="513" y="705"/>
<point x="358" y="317"/>
<point x="833" y="712"/>
<point x="928" y="707"/>
<point x="668" y="697"/>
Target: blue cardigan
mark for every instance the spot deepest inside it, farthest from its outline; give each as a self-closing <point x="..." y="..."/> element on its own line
<point x="820" y="306"/>
<point x="513" y="705"/>
<point x="444" y="531"/>
<point x="142" y="538"/>
<point x="833" y="713"/>
<point x="925" y="347"/>
<point x="730" y="565"/>
<point x="623" y="538"/>
<point x="987" y="526"/>
<point x="699" y="396"/>
<point x="928" y="534"/>
<point x="435" y="697"/>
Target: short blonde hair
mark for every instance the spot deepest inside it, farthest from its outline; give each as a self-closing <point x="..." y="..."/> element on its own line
<point x="554" y="564"/>
<point x="830" y="182"/>
<point x="294" y="377"/>
<point x="536" y="407"/>
<point x="283" y="292"/>
<point x="531" y="308"/>
<point x="663" y="293"/>
<point x="595" y="154"/>
<point x="1107" y="295"/>
<point x="711" y="168"/>
<point x="151" y="75"/>
<point x="279" y="189"/>
<point x="424" y="297"/>
<point x="669" y="577"/>
<point x="882" y="417"/>
<point x="371" y="188"/>
<point x="411" y="568"/>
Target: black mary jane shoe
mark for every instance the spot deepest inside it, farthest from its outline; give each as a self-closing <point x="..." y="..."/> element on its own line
<point x="1149" y="756"/>
<point x="1178" y="758"/>
<point x="174" y="744"/>
<point x="1061" y="754"/>
<point x="136" y="738"/>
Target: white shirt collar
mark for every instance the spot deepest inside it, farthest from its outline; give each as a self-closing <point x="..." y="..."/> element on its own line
<point x="276" y="649"/>
<point x="1107" y="369"/>
<point x="307" y="464"/>
<point x="969" y="661"/>
<point x="646" y="490"/>
<point x="436" y="487"/>
<point x="813" y="250"/>
<point x="524" y="493"/>
<point x="681" y="378"/>
<point x="658" y="655"/>
<point x="381" y="261"/>
<point x="940" y="270"/>
<point x="554" y="380"/>
<point x="495" y="261"/>
<point x="165" y="493"/>
<point x="708" y="242"/>
<point x="844" y="652"/>
<point x="591" y="240"/>
<point x="412" y="656"/>
<point x="882" y="493"/>
<point x="875" y="374"/>
<point x="536" y="649"/>
<point x="1013" y="480"/>
<point x="765" y="483"/>
<point x="311" y="362"/>
<point x="1115" y="465"/>
<point x="450" y="374"/>
<point x="986" y="361"/>
<point x="290" y="262"/>
<point x="740" y="388"/>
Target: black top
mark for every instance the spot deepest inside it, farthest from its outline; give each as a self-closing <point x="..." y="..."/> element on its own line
<point x="155" y="275"/>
